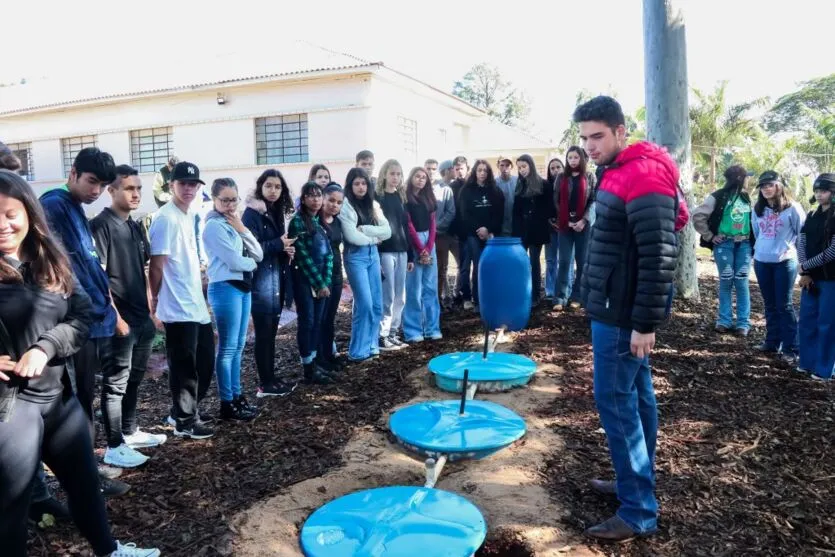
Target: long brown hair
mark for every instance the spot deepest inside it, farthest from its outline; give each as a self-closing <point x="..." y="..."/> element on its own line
<point x="783" y="201"/>
<point x="48" y="264"/>
<point x="426" y="195"/>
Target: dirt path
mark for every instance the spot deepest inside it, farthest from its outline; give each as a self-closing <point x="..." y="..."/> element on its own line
<point x="508" y="487"/>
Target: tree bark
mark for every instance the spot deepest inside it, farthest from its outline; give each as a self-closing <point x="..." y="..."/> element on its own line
<point x="668" y="118"/>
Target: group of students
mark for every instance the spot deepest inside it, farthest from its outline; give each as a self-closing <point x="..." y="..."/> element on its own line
<point x="95" y="308"/>
<point x="783" y="242"/>
<point x="554" y="213"/>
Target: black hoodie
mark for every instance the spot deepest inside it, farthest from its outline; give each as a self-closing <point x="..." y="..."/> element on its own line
<point x="480" y="206"/>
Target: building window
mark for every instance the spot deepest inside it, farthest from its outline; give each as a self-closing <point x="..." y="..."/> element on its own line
<point x="281" y="139"/>
<point x="23" y="151"/>
<point x="407" y="129"/>
<point x="71" y="146"/>
<point x="150" y="149"/>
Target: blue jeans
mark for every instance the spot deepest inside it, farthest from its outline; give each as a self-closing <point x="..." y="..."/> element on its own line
<point x="470" y="255"/>
<point x="310" y="313"/>
<point x="551" y="259"/>
<point x="422" y="314"/>
<point x="230" y="307"/>
<point x="626" y="403"/>
<point x="733" y="261"/>
<point x="817" y="329"/>
<point x="572" y="247"/>
<point x="776" y="284"/>
<point x="362" y="265"/>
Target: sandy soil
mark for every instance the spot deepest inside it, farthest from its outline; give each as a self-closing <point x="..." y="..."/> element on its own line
<point x="507" y="487"/>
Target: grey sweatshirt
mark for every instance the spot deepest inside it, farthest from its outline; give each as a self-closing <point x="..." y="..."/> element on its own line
<point x="777" y="233"/>
<point x="445" y="212"/>
<point x="508" y="188"/>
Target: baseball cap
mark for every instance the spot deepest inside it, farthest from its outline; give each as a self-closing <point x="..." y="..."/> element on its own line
<point x="444" y="166"/>
<point x="767" y="177"/>
<point x="186" y="172"/>
<point x="825" y="181"/>
<point x="503" y="158"/>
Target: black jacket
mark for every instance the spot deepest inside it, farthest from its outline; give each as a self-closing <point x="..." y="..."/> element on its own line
<point x="270" y="277"/>
<point x="33" y="317"/>
<point x="815" y="248"/>
<point x="628" y="275"/>
<point x="531" y="215"/>
<point x="480" y="206"/>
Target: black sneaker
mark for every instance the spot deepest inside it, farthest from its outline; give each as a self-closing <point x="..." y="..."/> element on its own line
<point x="397" y="342"/>
<point x="50" y="506"/>
<point x="314" y="375"/>
<point x="112" y="488"/>
<point x="767" y="348"/>
<point x="276" y="389"/>
<point x="386" y="345"/>
<point x="229" y="410"/>
<point x="789" y="358"/>
<point x="243" y="404"/>
<point x="197" y="431"/>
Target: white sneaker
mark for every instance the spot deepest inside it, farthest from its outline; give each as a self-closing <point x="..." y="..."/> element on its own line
<point x="124" y="457"/>
<point x="130" y="550"/>
<point x="171" y="421"/>
<point x="142" y="439"/>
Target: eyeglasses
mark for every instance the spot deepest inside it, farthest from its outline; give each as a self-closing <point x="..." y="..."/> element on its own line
<point x="227" y="200"/>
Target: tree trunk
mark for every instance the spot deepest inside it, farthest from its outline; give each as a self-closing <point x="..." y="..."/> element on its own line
<point x="713" y="166"/>
<point x="668" y="118"/>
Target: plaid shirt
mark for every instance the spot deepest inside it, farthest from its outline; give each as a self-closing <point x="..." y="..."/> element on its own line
<point x="304" y="249"/>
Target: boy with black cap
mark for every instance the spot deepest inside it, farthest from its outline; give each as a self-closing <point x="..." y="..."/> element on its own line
<point x="816" y="255"/>
<point x="178" y="301"/>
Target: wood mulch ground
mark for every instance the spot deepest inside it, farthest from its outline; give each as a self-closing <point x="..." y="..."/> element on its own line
<point x="746" y="464"/>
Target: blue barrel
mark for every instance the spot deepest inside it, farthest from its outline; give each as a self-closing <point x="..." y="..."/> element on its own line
<point x="504" y="284"/>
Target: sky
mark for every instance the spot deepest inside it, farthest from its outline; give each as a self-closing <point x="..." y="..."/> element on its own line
<point x="551" y="49"/>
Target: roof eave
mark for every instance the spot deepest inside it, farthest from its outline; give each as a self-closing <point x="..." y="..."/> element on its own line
<point x="302" y="75"/>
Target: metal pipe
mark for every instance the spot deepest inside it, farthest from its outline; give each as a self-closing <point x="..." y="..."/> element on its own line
<point x="464" y="391"/>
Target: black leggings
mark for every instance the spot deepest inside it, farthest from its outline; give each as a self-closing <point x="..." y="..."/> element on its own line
<point x="57" y="432"/>
<point x="329" y="321"/>
<point x="266" y="327"/>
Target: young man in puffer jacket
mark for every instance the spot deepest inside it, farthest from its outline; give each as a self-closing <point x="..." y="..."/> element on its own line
<point x="627" y="285"/>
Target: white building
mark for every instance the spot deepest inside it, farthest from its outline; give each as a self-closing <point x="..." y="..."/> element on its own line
<point x="238" y="117"/>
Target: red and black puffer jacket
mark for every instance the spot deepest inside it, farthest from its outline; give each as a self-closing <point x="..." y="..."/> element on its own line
<point x="631" y="259"/>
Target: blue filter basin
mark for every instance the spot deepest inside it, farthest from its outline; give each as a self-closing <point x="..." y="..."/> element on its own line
<point x="499" y="372"/>
<point x="395" y="522"/>
<point x="438" y="428"/>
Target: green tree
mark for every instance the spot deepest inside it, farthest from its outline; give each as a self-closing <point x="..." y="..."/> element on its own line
<point x="571" y="135"/>
<point x="801" y="109"/>
<point x="483" y="86"/>
<point x="715" y="126"/>
<point x="808" y="114"/>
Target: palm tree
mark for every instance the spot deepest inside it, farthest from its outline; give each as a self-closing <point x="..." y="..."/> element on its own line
<point x="715" y="127"/>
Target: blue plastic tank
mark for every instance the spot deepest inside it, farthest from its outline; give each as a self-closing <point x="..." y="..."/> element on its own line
<point x="437" y="428"/>
<point x="504" y="284"/>
<point x="395" y="522"/>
